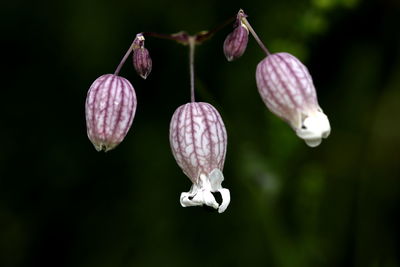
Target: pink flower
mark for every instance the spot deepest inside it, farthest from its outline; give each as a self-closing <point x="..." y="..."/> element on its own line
<point x="198" y="142"/>
<point x="141" y="57"/>
<point x="236" y="42"/>
<point x="110" y="108"/>
<point x="287" y="89"/>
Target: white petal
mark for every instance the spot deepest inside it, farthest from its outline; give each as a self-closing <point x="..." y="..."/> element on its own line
<point x="187" y="198"/>
<point x="314" y="127"/>
<point x="201" y="193"/>
<point x="198" y="197"/>
<point x="209" y="199"/>
<point x="215" y="178"/>
<point x="313" y="142"/>
<point x="226" y="199"/>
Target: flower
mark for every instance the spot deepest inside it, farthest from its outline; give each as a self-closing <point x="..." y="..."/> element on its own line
<point x="198" y="142"/>
<point x="236" y="42"/>
<point x="287" y="89"/>
<point x="110" y="108"/>
<point x="141" y="57"/>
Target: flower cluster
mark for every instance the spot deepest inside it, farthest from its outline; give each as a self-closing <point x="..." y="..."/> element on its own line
<point x="197" y="133"/>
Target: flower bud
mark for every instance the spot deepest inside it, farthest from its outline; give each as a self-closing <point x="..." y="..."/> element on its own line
<point x="141" y="57"/>
<point x="198" y="142"/>
<point x="236" y="42"/>
<point x="110" y="108"/>
<point x="287" y="89"/>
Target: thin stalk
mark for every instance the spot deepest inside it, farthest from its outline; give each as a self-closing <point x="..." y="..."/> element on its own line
<point x="205" y="35"/>
<point x="183" y="38"/>
<point x="124" y="59"/>
<point x="258" y="40"/>
<point x="192" y="44"/>
<point x="180" y="37"/>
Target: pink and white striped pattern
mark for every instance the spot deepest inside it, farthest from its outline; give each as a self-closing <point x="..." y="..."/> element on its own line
<point x="141" y="57"/>
<point x="286" y="87"/>
<point x="198" y="139"/>
<point x="142" y="62"/>
<point x="236" y="42"/>
<point x="110" y="109"/>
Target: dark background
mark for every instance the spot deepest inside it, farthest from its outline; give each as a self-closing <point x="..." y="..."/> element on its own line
<point x="64" y="204"/>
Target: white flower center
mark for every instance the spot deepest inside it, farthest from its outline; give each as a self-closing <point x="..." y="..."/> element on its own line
<point x="314" y="127"/>
<point x="201" y="192"/>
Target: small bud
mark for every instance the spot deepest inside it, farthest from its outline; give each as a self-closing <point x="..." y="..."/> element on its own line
<point x="236" y="42"/>
<point x="141" y="57"/>
<point x="110" y="108"/>
<point x="198" y="142"/>
<point x="287" y="89"/>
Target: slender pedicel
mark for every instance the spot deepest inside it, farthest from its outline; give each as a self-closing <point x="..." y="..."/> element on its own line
<point x="182" y="37"/>
<point x="192" y="44"/>
<point x="258" y="40"/>
<point x="117" y="70"/>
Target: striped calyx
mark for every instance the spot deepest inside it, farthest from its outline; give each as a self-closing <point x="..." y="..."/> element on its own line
<point x="110" y="108"/>
<point x="198" y="142"/>
<point x="141" y="57"/>
<point x="236" y="42"/>
<point x="287" y="89"/>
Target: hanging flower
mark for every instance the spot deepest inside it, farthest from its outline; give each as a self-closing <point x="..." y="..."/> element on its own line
<point x="198" y="142"/>
<point x="110" y="108"/>
<point x="141" y="57"/>
<point x="236" y="42"/>
<point x="287" y="89"/>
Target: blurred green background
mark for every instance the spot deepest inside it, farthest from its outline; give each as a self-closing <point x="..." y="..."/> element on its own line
<point x="64" y="204"/>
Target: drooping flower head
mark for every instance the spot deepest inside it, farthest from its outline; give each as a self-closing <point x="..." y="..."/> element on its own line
<point x="198" y="142"/>
<point x="141" y="57"/>
<point x="236" y="42"/>
<point x="110" y="108"/>
<point x="287" y="89"/>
